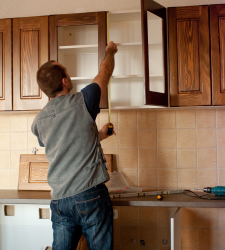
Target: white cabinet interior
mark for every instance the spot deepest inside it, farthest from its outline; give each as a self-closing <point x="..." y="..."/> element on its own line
<point x="127" y="85"/>
<point x="78" y="52"/>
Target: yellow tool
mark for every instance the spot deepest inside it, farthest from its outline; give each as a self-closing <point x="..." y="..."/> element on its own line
<point x="160" y="197"/>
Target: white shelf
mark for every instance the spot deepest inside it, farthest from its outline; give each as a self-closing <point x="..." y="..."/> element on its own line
<point x="126" y="76"/>
<point x="82" y="78"/>
<point x="113" y="77"/>
<point x="79" y="46"/>
<point x="129" y="44"/>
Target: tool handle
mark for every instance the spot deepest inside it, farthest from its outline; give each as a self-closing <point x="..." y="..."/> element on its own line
<point x="110" y="130"/>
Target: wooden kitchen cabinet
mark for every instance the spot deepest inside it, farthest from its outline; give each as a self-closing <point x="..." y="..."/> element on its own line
<point x="30" y="51"/>
<point x="78" y="42"/>
<point x="5" y="64"/>
<point x="217" y="29"/>
<point x="189" y="56"/>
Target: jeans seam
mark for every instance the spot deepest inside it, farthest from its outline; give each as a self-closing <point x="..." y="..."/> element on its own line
<point x="79" y="202"/>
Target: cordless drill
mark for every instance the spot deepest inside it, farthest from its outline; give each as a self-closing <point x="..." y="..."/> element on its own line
<point x="218" y="190"/>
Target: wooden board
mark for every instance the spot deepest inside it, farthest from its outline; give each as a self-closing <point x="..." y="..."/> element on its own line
<point x="33" y="171"/>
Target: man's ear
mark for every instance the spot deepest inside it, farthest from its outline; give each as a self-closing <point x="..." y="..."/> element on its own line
<point x="65" y="82"/>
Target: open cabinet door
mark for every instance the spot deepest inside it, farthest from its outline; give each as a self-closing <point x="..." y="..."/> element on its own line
<point x="154" y="42"/>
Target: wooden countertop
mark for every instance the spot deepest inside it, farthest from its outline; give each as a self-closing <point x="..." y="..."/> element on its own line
<point x="170" y="200"/>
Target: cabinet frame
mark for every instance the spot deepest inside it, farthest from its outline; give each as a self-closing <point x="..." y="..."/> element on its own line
<point x="92" y="18"/>
<point x="189" y="93"/>
<point x="217" y="12"/>
<point x="6" y="64"/>
<point x="154" y="98"/>
<point x="31" y="54"/>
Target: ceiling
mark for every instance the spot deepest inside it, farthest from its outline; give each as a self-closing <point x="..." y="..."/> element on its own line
<point x="174" y="3"/>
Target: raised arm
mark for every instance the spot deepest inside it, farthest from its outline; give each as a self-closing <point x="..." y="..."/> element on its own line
<point x="107" y="66"/>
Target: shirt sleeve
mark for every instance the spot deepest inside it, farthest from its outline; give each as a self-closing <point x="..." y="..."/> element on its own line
<point x="92" y="95"/>
<point x="40" y="142"/>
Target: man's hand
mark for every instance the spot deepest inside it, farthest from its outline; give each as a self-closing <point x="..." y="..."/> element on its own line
<point x="103" y="132"/>
<point x="111" y="48"/>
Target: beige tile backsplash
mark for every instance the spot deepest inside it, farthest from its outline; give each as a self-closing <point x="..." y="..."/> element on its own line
<point x="155" y="150"/>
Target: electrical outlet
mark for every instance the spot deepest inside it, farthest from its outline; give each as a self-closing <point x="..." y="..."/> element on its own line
<point x="115" y="214"/>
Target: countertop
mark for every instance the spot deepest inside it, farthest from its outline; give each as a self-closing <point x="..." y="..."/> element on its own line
<point x="170" y="200"/>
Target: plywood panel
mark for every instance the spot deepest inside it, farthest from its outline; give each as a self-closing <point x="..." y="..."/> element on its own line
<point x="188" y="55"/>
<point x="33" y="171"/>
<point x="217" y="27"/>
<point x="189" y="58"/>
<point x="5" y="64"/>
<point x="30" y="51"/>
<point x="29" y="63"/>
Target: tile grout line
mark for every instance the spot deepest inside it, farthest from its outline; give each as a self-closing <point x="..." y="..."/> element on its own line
<point x="10" y="152"/>
<point x="217" y="168"/>
<point x="176" y="149"/>
<point x="218" y="239"/>
<point x="196" y="140"/>
<point x="137" y="152"/>
<point x="157" y="154"/>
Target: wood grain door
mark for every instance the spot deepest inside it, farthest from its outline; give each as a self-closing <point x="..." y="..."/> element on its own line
<point x="94" y="18"/>
<point x="5" y="64"/>
<point x="189" y="57"/>
<point x="30" y="51"/>
<point x="153" y="97"/>
<point x="217" y="27"/>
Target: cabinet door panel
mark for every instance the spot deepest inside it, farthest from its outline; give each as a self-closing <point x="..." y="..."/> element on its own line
<point x="188" y="55"/>
<point x="5" y="65"/>
<point x="30" y="51"/>
<point x="189" y="59"/>
<point x="217" y="25"/>
<point x="153" y="97"/>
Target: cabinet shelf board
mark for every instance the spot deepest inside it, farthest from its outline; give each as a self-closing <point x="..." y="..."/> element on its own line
<point x="126" y="76"/>
<point x="129" y="44"/>
<point x="79" y="46"/>
<point x="77" y="78"/>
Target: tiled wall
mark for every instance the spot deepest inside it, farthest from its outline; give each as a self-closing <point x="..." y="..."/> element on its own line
<point x="156" y="150"/>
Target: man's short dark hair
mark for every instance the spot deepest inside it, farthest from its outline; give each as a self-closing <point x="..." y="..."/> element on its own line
<point x="49" y="78"/>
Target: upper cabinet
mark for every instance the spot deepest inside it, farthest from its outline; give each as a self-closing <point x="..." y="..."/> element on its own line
<point x="30" y="51"/>
<point x="217" y="29"/>
<point x="78" y="42"/>
<point x="5" y="64"/>
<point x="154" y="42"/>
<point x="189" y="58"/>
<point x="196" y="55"/>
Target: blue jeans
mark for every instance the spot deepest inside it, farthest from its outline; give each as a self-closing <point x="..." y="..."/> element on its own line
<point x="90" y="213"/>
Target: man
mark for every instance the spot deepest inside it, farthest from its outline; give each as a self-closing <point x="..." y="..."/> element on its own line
<point x="77" y="170"/>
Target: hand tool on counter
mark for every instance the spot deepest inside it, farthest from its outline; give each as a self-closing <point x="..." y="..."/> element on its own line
<point x="213" y="193"/>
<point x="159" y="194"/>
<point x="217" y="190"/>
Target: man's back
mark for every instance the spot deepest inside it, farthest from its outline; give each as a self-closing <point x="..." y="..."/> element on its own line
<point x="70" y="136"/>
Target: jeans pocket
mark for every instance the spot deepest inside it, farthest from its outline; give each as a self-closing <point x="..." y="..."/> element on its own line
<point x="90" y="211"/>
<point x="54" y="205"/>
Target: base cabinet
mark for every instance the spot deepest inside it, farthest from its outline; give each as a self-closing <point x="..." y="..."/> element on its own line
<point x="25" y="227"/>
